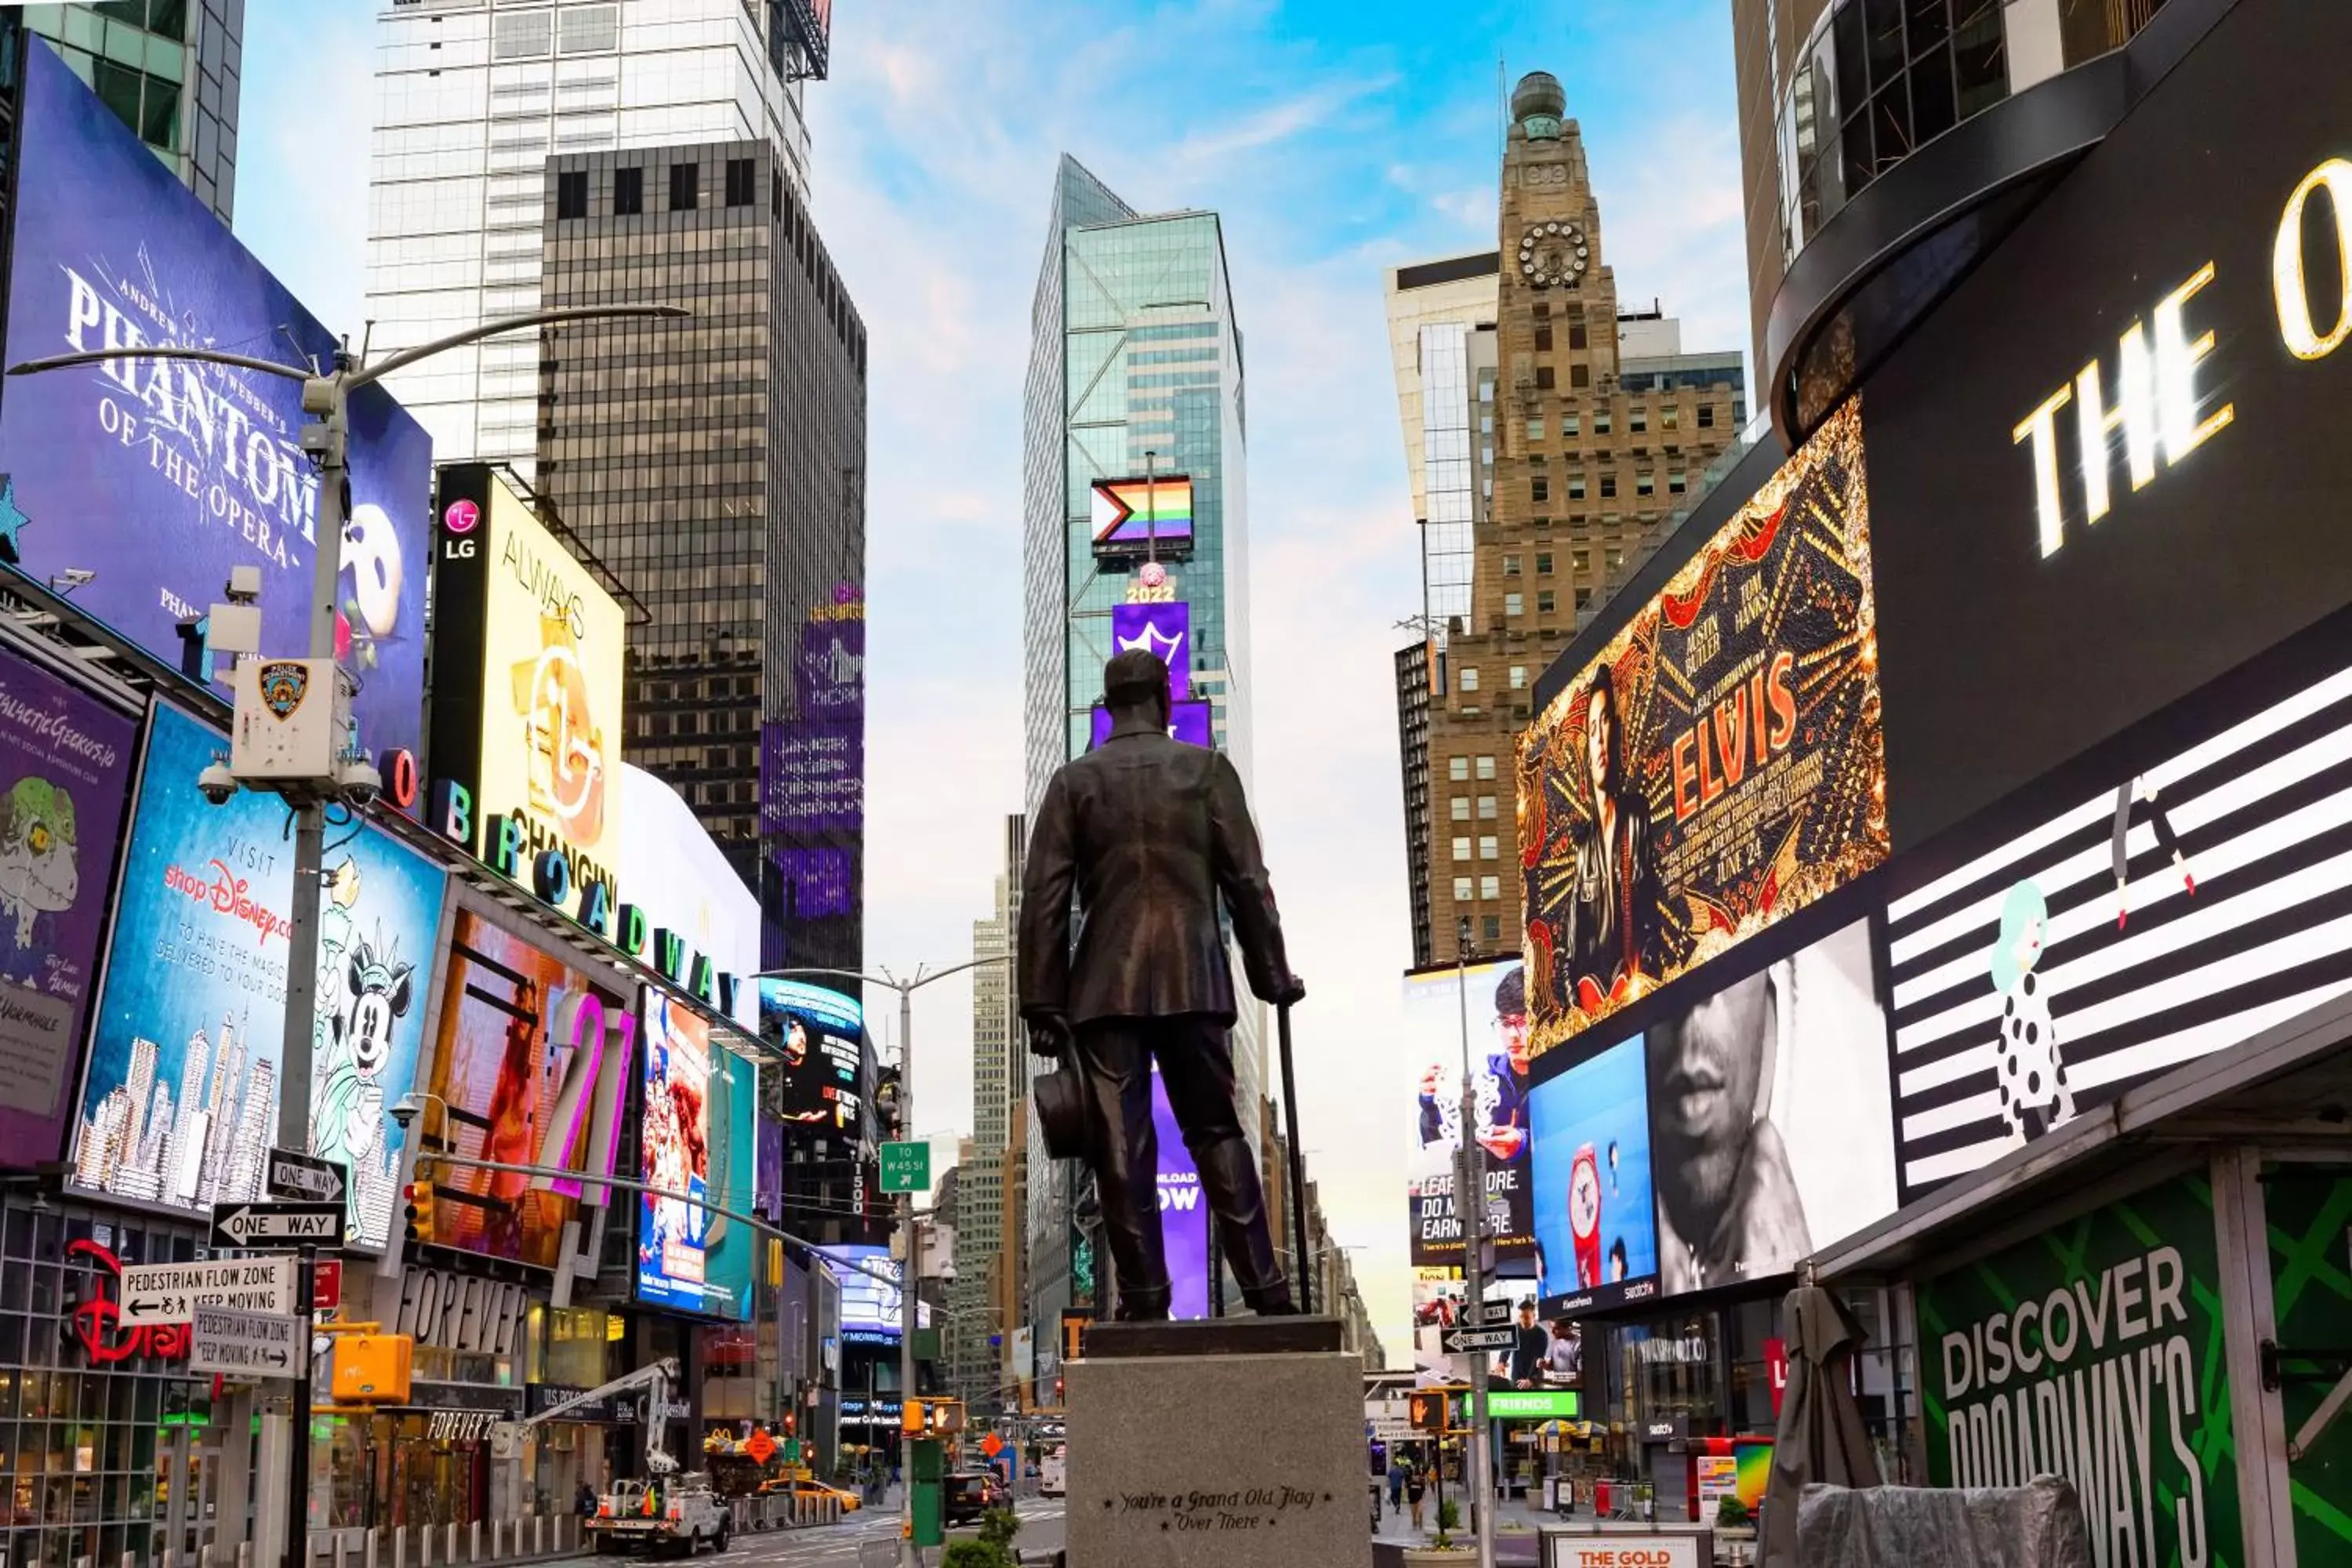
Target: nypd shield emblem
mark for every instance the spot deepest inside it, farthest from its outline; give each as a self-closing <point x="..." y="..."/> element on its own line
<point x="284" y="684"/>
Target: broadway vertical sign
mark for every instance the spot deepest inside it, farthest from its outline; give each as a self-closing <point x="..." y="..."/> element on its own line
<point x="2094" y="1352"/>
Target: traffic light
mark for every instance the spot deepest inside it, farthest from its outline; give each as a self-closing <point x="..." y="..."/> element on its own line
<point x="910" y="1418"/>
<point x="419" y="1211"/>
<point x="1427" y="1407"/>
<point x="372" y="1369"/>
<point x="943" y="1417"/>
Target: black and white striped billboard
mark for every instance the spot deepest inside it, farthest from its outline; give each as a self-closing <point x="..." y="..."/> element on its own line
<point x="2181" y="907"/>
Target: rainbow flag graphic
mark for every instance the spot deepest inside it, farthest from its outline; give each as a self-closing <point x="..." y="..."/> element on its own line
<point x="1129" y="514"/>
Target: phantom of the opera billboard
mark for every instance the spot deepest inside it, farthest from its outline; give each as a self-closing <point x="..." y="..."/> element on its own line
<point x="1719" y="764"/>
<point x="135" y="484"/>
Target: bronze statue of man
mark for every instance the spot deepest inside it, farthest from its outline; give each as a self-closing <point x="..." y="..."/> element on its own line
<point x="1149" y="833"/>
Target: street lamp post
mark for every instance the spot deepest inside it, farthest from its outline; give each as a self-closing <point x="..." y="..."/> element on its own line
<point x="327" y="398"/>
<point x="1470" y="1198"/>
<point x="908" y="1311"/>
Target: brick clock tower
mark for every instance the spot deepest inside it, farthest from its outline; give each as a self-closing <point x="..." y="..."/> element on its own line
<point x="1581" y="459"/>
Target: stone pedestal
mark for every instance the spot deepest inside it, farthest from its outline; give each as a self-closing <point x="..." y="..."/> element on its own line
<point x="1233" y="1443"/>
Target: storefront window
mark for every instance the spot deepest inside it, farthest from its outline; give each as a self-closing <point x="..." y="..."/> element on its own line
<point x="102" y="1433"/>
<point x="1671" y="1369"/>
<point x="568" y="1346"/>
<point x="1888" y="1373"/>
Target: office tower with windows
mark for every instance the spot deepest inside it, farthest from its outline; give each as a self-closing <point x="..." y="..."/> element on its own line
<point x="168" y="69"/>
<point x="471" y="103"/>
<point x="999" y="1078"/>
<point x="1551" y="439"/>
<point x="1134" y="402"/>
<point x="717" y="464"/>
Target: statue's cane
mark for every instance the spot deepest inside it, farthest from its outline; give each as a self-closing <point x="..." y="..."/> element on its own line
<point x="1298" y="1163"/>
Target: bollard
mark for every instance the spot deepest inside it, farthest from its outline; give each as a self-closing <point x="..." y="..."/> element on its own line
<point x="424" y="1546"/>
<point x="368" y="1550"/>
<point x="245" y="1554"/>
<point x="473" y="1542"/>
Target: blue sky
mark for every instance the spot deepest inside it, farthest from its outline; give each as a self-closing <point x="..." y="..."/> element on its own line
<point x="1336" y="139"/>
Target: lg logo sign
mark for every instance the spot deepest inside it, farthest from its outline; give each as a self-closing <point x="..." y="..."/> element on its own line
<point x="459" y="519"/>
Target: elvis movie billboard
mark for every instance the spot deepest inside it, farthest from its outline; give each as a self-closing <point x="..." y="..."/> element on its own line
<point x="143" y="481"/>
<point x="66" y="760"/>
<point x="700" y="1145"/>
<point x="179" y="1105"/>
<point x="529" y="1060"/>
<point x="1718" y="765"/>
<point x="1495" y="995"/>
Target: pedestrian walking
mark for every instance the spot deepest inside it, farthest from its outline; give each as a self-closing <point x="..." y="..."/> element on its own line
<point x="1396" y="1485"/>
<point x="1416" y="1489"/>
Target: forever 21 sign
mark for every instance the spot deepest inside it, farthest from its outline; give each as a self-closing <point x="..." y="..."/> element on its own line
<point x="462" y="1312"/>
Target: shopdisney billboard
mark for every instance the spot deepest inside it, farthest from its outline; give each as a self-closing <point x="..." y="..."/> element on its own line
<point x="187" y="469"/>
<point x="179" y="1104"/>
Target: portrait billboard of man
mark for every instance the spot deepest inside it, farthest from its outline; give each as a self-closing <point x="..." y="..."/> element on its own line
<point x="1770" y="1128"/>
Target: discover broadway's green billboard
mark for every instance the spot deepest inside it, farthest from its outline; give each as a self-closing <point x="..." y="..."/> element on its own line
<point x="2095" y="1351"/>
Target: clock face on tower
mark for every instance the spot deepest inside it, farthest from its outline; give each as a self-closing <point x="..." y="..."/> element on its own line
<point x="1552" y="253"/>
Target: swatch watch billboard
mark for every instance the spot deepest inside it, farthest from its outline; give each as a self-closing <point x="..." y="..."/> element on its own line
<point x="141" y="482"/>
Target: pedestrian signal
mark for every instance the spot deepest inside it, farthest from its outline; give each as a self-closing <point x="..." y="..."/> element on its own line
<point x="1428" y="1410"/>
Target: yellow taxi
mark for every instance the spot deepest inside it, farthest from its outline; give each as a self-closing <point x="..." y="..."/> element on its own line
<point x="810" y="1487"/>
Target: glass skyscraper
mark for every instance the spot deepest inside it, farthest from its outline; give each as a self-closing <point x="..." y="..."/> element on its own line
<point x="1135" y="368"/>
<point x="168" y="69"/>
<point x="473" y="101"/>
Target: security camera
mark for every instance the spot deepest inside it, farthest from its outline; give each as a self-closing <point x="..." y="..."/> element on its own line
<point x="404" y="1110"/>
<point x="358" y="783"/>
<point x="218" y="785"/>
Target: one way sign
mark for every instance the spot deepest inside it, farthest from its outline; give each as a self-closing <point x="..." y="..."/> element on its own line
<point x="278" y="1223"/>
<point x="300" y="1175"/>
<point x="1458" y="1340"/>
